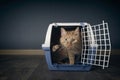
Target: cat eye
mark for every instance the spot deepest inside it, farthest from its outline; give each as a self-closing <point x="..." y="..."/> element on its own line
<point x="73" y="39"/>
<point x="65" y="39"/>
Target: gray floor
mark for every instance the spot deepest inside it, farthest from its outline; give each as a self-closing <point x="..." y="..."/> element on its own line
<point x="35" y="68"/>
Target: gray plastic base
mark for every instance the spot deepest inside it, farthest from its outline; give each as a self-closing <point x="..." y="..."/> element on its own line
<point x="65" y="67"/>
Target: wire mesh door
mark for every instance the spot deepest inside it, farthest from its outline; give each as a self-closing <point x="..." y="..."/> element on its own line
<point x="96" y="43"/>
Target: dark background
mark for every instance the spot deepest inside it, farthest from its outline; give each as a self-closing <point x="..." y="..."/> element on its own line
<point x="23" y="24"/>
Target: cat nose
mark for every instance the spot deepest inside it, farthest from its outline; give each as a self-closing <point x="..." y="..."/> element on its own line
<point x="70" y="44"/>
<point x="72" y="40"/>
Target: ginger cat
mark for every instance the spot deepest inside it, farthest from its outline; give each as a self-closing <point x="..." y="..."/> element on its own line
<point x="70" y="45"/>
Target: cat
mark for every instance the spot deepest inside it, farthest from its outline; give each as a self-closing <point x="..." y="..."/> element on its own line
<point x="70" y="45"/>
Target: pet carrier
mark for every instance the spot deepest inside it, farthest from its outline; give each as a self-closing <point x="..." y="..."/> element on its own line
<point x="96" y="46"/>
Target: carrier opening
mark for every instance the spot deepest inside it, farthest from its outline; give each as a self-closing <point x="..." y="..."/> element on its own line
<point x="60" y="52"/>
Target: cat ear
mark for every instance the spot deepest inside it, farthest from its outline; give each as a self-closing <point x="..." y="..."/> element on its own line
<point x="63" y="31"/>
<point x="77" y="31"/>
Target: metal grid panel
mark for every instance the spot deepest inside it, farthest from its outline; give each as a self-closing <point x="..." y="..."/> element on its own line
<point x="97" y="52"/>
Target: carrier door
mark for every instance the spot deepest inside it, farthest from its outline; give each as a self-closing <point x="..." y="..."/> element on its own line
<point x="96" y="43"/>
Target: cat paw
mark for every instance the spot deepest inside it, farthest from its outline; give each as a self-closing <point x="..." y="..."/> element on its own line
<point x="55" y="47"/>
<point x="72" y="63"/>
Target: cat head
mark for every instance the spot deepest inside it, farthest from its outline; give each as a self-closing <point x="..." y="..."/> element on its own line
<point x="70" y="39"/>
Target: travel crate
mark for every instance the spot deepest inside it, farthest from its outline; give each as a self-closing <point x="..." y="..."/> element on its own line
<point x="96" y="46"/>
